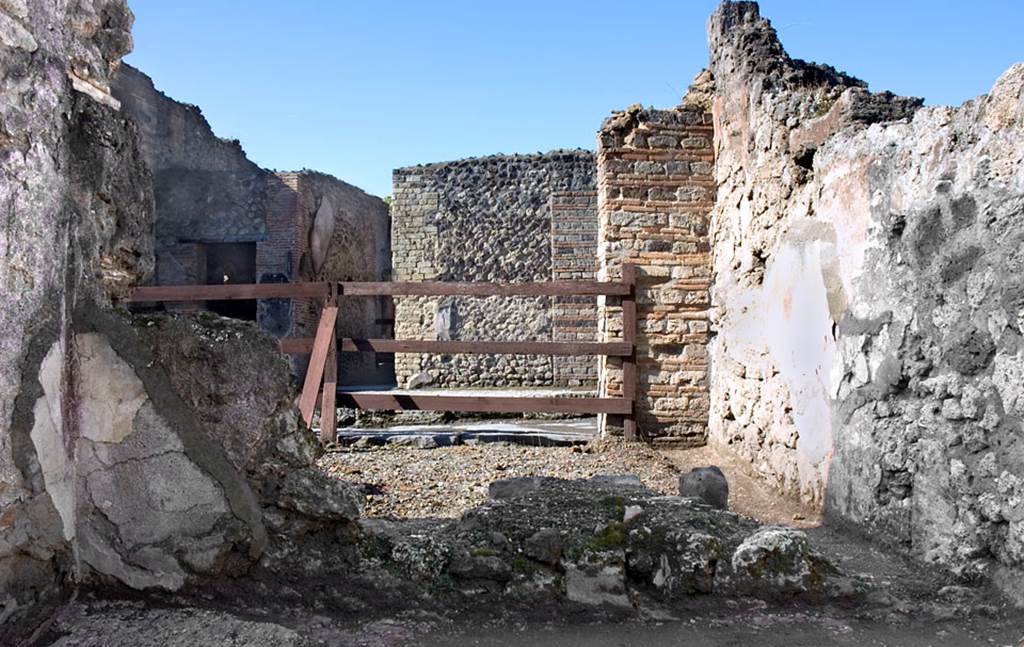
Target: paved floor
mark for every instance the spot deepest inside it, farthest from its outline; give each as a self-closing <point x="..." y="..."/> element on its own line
<point x="555" y="433"/>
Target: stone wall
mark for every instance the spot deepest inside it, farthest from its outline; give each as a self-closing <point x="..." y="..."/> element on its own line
<point x="77" y="204"/>
<point x="868" y="304"/>
<point x="343" y="234"/>
<point x="655" y="191"/>
<point x="304" y="226"/>
<point x="485" y="219"/>
<point x="207" y="190"/>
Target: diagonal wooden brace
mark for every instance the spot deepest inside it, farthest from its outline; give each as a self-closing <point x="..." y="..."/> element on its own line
<point x="317" y="361"/>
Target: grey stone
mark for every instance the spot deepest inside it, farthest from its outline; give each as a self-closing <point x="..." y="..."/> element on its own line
<point x="421" y="379"/>
<point x="480" y="567"/>
<point x="311" y="493"/>
<point x="597" y="582"/>
<point x="631" y="512"/>
<point x="780" y="559"/>
<point x="616" y="481"/>
<point x="545" y="546"/>
<point x="707" y="484"/>
<point x="518" y="487"/>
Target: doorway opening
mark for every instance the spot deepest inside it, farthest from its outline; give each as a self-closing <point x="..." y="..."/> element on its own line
<point x="228" y="263"/>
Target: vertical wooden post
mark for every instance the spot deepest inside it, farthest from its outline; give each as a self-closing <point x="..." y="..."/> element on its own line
<point x="328" y="409"/>
<point x="317" y="361"/>
<point x="629" y="372"/>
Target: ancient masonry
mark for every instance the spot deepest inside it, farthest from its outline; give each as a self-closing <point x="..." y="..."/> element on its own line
<point x="868" y="299"/>
<point x="222" y="219"/>
<point x="865" y="350"/>
<point x="494" y="219"/>
<point x="656" y="190"/>
<point x="573" y="243"/>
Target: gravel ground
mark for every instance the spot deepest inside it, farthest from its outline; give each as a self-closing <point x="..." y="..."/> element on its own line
<point x="447" y="481"/>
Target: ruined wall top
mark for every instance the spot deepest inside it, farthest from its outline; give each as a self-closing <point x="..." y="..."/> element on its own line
<point x="559" y="154"/>
<point x="747" y="59"/>
<point x="740" y="38"/>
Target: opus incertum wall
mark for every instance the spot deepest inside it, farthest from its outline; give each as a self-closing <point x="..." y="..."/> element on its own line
<point x="492" y="219"/>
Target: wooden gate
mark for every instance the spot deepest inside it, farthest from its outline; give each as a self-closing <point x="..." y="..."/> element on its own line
<point x="321" y="380"/>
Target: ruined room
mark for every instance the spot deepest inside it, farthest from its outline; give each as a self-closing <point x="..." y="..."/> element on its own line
<point x="746" y="367"/>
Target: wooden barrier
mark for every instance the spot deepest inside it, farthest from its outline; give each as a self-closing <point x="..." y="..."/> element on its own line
<point x="323" y="349"/>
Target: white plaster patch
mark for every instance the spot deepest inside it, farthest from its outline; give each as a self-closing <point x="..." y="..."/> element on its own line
<point x="798" y="329"/>
<point x="1008" y="378"/>
<point x="320" y="235"/>
<point x="48" y="439"/>
<point x="96" y="93"/>
<point x="110" y="393"/>
<point x="998" y="320"/>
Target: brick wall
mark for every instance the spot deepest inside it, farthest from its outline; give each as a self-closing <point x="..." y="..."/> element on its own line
<point x="574" y="257"/>
<point x="413" y="239"/>
<point x="655" y="193"/>
<point x="276" y="256"/>
<point x="354" y="234"/>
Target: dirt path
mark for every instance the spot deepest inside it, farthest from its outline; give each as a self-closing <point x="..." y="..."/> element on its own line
<point x="747" y="495"/>
<point x="448" y="481"/>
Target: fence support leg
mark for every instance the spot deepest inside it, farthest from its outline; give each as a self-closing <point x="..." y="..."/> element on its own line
<point x="317" y="362"/>
<point x="629" y="372"/>
<point x="328" y="410"/>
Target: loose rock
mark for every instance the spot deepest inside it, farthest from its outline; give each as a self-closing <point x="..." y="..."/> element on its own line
<point x="707" y="484"/>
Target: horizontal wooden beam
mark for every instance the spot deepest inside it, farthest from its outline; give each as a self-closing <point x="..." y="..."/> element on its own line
<point x="373" y="288"/>
<point x="302" y="346"/>
<point x="482" y="289"/>
<point x="229" y="291"/>
<point x="494" y="404"/>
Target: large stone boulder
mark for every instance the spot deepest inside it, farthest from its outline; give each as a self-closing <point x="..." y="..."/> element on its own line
<point x="232" y="375"/>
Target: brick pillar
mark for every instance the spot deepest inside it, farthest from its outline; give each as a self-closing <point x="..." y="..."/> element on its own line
<point x="573" y="258"/>
<point x="277" y="256"/>
<point x="655" y="194"/>
<point x="413" y="247"/>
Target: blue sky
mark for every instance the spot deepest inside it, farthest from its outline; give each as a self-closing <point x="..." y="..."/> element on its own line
<point x="356" y="89"/>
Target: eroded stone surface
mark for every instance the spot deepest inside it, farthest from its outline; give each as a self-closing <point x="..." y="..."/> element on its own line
<point x="598" y="542"/>
<point x="866" y="296"/>
<point x="78" y="206"/>
<point x="779" y="559"/>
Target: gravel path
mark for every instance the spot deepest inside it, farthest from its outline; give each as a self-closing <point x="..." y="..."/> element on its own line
<point x="447" y="481"/>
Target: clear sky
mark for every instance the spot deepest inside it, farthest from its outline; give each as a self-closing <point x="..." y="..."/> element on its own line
<point x="356" y="89"/>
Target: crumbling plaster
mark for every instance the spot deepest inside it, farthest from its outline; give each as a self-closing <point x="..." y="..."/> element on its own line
<point x="866" y="298"/>
<point x="77" y="203"/>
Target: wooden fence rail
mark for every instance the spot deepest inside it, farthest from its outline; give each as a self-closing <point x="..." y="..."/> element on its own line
<point x="324" y="347"/>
